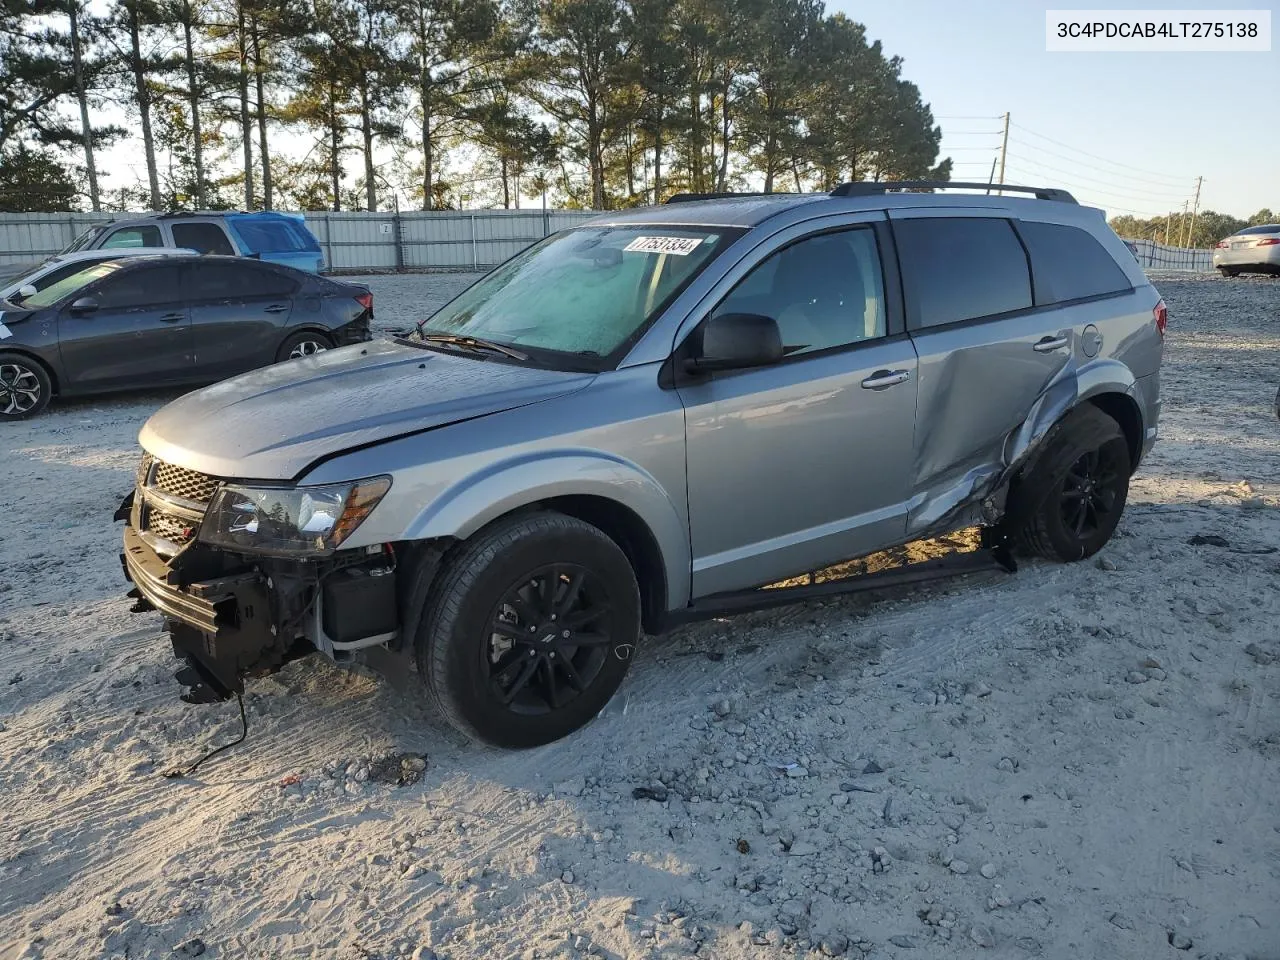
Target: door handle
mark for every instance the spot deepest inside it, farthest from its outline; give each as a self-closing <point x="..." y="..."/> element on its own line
<point x="1048" y="344"/>
<point x="885" y="378"/>
<point x="277" y="308"/>
<point x="173" y="317"/>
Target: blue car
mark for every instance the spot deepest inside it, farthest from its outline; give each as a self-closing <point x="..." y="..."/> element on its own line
<point x="275" y="237"/>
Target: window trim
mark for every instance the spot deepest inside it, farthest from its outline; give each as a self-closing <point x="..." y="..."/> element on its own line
<point x="916" y="327"/>
<point x="672" y="374"/>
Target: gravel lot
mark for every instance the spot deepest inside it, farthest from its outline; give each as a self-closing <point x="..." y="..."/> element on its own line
<point x="1077" y="761"/>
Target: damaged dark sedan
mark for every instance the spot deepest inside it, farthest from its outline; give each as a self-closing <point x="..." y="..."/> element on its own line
<point x="141" y="322"/>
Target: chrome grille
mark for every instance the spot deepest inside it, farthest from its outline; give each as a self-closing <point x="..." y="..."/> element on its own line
<point x="168" y="527"/>
<point x="184" y="483"/>
<point x="170" y="503"/>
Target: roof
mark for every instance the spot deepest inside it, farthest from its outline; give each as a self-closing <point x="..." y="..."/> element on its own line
<point x="749" y="210"/>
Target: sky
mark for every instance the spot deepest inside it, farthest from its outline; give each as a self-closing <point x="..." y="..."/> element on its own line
<point x="1128" y="132"/>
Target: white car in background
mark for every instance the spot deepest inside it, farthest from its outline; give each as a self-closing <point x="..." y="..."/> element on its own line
<point x="20" y="280"/>
<point x="1252" y="250"/>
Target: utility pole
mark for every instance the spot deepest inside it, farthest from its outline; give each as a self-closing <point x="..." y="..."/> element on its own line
<point x="1004" y="146"/>
<point x="1182" y="219"/>
<point x="1168" y="225"/>
<point x="1195" y="208"/>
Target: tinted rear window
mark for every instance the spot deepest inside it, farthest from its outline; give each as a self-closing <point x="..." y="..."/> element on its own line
<point x="237" y="281"/>
<point x="961" y="268"/>
<point x="1069" y="264"/>
<point x="273" y="235"/>
<point x="1261" y="228"/>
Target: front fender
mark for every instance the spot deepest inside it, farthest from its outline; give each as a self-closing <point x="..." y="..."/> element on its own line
<point x="479" y="498"/>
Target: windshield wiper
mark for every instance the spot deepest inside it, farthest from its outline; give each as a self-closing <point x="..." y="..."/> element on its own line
<point x="472" y="343"/>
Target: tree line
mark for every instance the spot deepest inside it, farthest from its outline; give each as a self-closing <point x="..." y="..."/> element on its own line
<point x="604" y="103"/>
<point x="1182" y="230"/>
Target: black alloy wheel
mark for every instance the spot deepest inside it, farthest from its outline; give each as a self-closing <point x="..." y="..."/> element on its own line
<point x="550" y="639"/>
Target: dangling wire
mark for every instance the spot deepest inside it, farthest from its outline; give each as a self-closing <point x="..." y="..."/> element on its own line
<point x="244" y="732"/>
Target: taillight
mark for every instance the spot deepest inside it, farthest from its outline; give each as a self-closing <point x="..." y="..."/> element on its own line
<point x="365" y="300"/>
<point x="1160" y="313"/>
<point x="1270" y="241"/>
<point x="1222" y="244"/>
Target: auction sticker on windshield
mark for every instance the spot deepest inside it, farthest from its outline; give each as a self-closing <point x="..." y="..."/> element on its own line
<point x="680" y="246"/>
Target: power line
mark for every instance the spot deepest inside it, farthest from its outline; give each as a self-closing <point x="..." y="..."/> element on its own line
<point x="1095" y="156"/>
<point x="1148" y="194"/>
<point x="1115" y="174"/>
<point x="998" y="117"/>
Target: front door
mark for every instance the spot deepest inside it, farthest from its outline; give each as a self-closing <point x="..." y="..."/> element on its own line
<point x="139" y="335"/>
<point x="807" y="462"/>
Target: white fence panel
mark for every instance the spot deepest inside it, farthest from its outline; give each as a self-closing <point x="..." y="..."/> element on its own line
<point x="435" y="240"/>
<point x="1157" y="256"/>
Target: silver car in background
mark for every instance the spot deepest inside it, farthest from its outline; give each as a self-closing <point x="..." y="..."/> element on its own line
<point x="1252" y="250"/>
<point x="655" y="417"/>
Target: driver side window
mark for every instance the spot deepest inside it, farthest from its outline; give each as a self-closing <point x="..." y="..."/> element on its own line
<point x="824" y="291"/>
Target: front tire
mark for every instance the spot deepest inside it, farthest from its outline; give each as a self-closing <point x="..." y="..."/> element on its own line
<point x="25" y="387"/>
<point x="1078" y="488"/>
<point x="529" y="630"/>
<point x="1228" y="271"/>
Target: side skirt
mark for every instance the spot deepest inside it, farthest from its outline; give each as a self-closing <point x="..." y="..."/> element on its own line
<point x="747" y="601"/>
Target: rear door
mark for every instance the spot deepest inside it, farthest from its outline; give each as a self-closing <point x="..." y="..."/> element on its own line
<point x="794" y="466"/>
<point x="986" y="352"/>
<point x="239" y="310"/>
<point x="139" y="336"/>
<point x="202" y="236"/>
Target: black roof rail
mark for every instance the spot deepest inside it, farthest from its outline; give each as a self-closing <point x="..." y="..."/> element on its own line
<point x="726" y="195"/>
<point x="870" y="188"/>
<point x="193" y="213"/>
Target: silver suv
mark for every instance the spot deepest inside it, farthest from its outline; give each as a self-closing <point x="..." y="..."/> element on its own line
<point x="646" y="420"/>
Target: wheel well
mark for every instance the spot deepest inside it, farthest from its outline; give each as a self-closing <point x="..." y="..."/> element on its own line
<point x="1124" y="411"/>
<point x="307" y="328"/>
<point x="53" y="377"/>
<point x="625" y="528"/>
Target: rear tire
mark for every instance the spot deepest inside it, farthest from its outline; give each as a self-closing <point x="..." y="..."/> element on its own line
<point x="25" y="387"/>
<point x="305" y="343"/>
<point x="1078" y="488"/>
<point x="529" y="630"/>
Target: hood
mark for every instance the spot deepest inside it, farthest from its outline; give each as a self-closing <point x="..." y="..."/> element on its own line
<point x="273" y="423"/>
<point x="11" y="314"/>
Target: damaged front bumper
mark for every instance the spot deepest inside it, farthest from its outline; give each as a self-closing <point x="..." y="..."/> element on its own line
<point x="231" y="616"/>
<point x="223" y="627"/>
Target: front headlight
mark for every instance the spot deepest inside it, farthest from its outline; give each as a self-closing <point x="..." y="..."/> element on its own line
<point x="290" y="521"/>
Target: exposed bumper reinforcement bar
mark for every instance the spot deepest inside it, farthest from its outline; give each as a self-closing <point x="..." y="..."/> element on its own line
<point x="222" y="627"/>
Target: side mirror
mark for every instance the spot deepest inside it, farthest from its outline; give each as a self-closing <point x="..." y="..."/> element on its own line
<point x="24" y="291"/>
<point x="84" y="305"/>
<point x="735" y="341"/>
